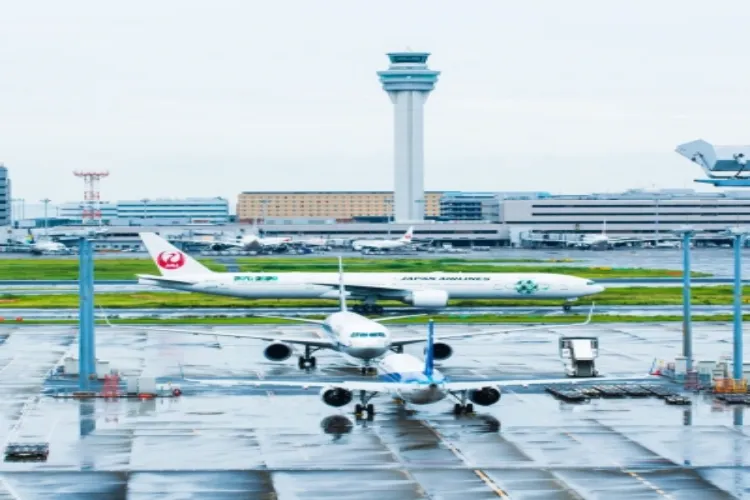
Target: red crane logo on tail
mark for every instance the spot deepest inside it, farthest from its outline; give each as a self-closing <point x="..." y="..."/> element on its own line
<point x="170" y="260"/>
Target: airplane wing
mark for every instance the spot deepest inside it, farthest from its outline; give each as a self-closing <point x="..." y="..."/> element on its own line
<point x="369" y="289"/>
<point x="287" y="318"/>
<point x="165" y="280"/>
<point x="388" y="318"/>
<point x="467" y="386"/>
<point x="310" y="341"/>
<point x="352" y="385"/>
<point x="423" y="338"/>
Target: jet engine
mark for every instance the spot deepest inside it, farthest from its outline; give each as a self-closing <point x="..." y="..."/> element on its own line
<point x="427" y="299"/>
<point x="441" y="351"/>
<point x="336" y="396"/>
<point x="485" y="396"/>
<point x="278" y="351"/>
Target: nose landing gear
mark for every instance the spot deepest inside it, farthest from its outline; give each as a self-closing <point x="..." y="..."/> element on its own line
<point x="364" y="405"/>
<point x="368" y="370"/>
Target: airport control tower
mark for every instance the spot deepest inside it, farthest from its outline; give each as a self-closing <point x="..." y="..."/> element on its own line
<point x="408" y="82"/>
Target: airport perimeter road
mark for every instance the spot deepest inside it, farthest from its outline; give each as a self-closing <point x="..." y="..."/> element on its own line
<point x="166" y="313"/>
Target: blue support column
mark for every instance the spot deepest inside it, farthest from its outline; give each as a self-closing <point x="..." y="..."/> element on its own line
<point x="687" y="317"/>
<point x="738" y="241"/>
<point x="86" y="342"/>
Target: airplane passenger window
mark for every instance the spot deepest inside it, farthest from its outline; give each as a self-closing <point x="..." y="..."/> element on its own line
<point x="373" y="335"/>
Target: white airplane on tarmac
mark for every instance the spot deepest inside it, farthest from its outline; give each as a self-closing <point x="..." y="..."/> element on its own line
<point x="405" y="240"/>
<point x="179" y="271"/>
<point x="245" y="242"/>
<point x="409" y="380"/>
<point x="358" y="338"/>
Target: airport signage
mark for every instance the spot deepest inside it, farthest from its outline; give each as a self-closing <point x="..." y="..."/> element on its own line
<point x="255" y="278"/>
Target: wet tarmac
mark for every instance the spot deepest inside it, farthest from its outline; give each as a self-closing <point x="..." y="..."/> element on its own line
<point x="260" y="443"/>
<point x="238" y="312"/>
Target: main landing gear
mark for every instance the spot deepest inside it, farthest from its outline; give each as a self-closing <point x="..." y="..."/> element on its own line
<point x="367" y="308"/>
<point x="308" y="360"/>
<point x="368" y="370"/>
<point x="459" y="409"/>
<point x="462" y="407"/>
<point x="567" y="307"/>
<point x="364" y="405"/>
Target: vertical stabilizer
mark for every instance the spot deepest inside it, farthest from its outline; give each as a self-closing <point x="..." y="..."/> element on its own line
<point x="429" y="357"/>
<point x="407" y="237"/>
<point x="169" y="260"/>
<point x="342" y="288"/>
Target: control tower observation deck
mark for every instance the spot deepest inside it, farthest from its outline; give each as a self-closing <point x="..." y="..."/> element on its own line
<point x="408" y="82"/>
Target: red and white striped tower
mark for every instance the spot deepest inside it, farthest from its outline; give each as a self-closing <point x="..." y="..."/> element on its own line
<point x="91" y="212"/>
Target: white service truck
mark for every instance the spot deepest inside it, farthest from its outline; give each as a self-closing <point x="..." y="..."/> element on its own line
<point x="578" y="355"/>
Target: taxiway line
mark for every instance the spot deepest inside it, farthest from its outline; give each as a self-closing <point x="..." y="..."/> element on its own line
<point x="480" y="473"/>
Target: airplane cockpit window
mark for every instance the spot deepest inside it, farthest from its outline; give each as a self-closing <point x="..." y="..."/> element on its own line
<point x="589" y="282"/>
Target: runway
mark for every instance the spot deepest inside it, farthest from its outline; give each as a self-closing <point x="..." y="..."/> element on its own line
<point x="262" y="444"/>
<point x="208" y="312"/>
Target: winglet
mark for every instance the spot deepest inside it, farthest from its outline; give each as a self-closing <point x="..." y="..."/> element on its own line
<point x="342" y="289"/>
<point x="429" y="358"/>
<point x="106" y="318"/>
<point x="590" y="316"/>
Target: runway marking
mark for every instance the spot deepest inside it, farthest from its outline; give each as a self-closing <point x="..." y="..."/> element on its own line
<point x="632" y="474"/>
<point x="480" y="473"/>
<point x="12" y="492"/>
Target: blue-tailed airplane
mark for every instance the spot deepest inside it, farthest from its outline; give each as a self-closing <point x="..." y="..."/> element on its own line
<point x="410" y="380"/>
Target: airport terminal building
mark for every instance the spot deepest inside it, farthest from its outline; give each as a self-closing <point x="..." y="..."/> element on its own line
<point x="165" y="211"/>
<point x="342" y="206"/>
<point x="5" y="197"/>
<point x="631" y="213"/>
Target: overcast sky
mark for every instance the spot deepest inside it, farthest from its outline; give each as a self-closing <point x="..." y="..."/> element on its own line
<point x="196" y="98"/>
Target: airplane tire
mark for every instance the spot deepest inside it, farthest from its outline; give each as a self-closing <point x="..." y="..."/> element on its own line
<point x="358" y="409"/>
<point x="567" y="307"/>
<point x="457" y="409"/>
<point x="301" y="363"/>
<point x="371" y="410"/>
<point x="469" y="408"/>
<point x="313" y="362"/>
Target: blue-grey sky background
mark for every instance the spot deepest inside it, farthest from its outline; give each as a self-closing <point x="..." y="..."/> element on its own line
<point x="195" y="98"/>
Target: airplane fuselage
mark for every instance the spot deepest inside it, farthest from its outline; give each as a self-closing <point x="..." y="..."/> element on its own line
<point x="405" y="368"/>
<point x="383" y="285"/>
<point x="357" y="336"/>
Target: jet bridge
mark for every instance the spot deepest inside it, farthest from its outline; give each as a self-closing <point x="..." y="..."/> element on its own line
<point x="578" y="355"/>
<point x="724" y="166"/>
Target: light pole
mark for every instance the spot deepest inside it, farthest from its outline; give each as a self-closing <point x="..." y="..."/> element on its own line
<point x="738" y="235"/>
<point x="389" y="213"/>
<point x="20" y="202"/>
<point x="145" y="209"/>
<point x="687" y="233"/>
<point x="263" y="205"/>
<point x="46" y="204"/>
